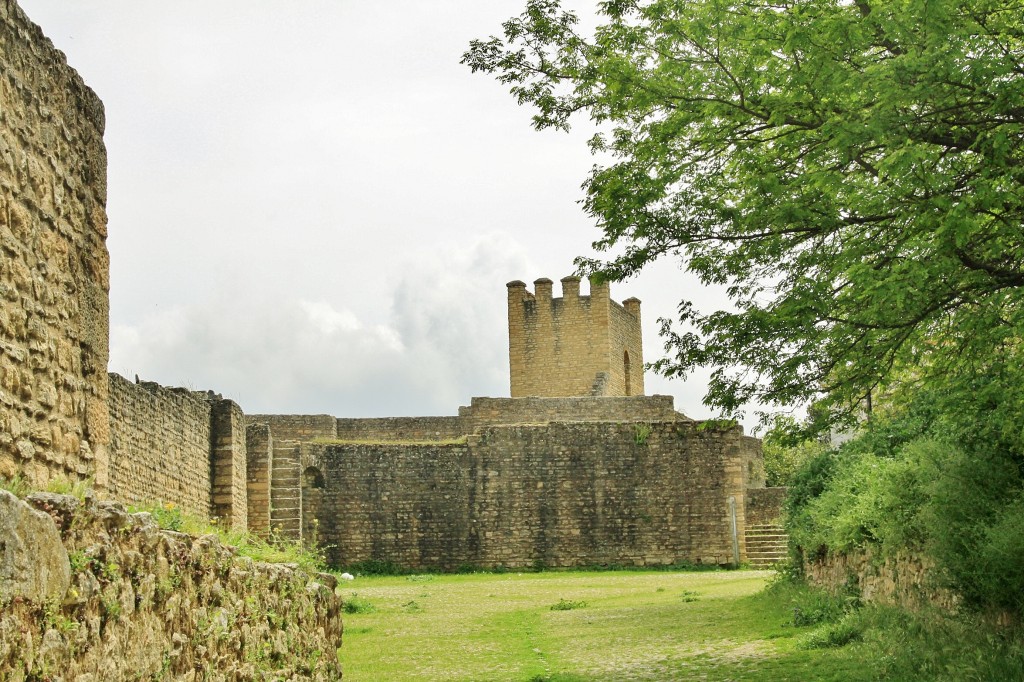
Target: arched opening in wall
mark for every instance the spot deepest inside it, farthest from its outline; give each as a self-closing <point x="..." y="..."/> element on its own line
<point x="313" y="485"/>
<point x="626" y="372"/>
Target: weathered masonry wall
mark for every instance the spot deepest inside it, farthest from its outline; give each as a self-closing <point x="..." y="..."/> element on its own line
<point x="297" y="426"/>
<point x="259" y="450"/>
<point x="228" y="464"/>
<point x="54" y="266"/>
<point x="160" y="446"/>
<point x="138" y="603"/>
<point x="178" y="446"/>
<point x="561" y="494"/>
<point x="574" y="345"/>
<point x="764" y="505"/>
<point x="492" y="411"/>
<point x="903" y="580"/>
<point x="402" y="428"/>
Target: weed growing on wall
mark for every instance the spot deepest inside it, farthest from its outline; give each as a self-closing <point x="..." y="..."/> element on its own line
<point x="17" y="486"/>
<point x="643" y="432"/>
<point x="275" y="550"/>
<point x="20" y="487"/>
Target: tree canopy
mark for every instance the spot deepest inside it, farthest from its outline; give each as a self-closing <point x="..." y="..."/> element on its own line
<point x="851" y="170"/>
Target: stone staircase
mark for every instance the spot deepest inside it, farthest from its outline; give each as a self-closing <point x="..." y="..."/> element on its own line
<point x="285" y="495"/>
<point x="767" y="544"/>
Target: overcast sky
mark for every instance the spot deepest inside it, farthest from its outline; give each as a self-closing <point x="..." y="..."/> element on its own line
<point x="314" y="208"/>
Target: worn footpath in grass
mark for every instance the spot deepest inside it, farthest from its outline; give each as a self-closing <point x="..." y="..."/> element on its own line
<point x="604" y="626"/>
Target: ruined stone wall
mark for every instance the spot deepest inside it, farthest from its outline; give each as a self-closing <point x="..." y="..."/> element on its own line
<point x="402" y="428"/>
<point x="94" y="593"/>
<point x="160" y="448"/>
<point x="297" y="426"/>
<point x="259" y="450"/>
<point x="764" y="505"/>
<point x="561" y="494"/>
<point x="228" y="464"/>
<point x="904" y="580"/>
<point x="573" y="345"/>
<point x="493" y="411"/>
<point x="54" y="266"/>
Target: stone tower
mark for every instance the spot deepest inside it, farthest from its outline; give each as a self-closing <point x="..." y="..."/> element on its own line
<point x="574" y="345"/>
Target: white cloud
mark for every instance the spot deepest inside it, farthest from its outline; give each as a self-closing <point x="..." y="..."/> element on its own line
<point x="443" y="342"/>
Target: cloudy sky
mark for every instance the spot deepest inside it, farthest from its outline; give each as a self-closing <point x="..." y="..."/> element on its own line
<point x="314" y="208"/>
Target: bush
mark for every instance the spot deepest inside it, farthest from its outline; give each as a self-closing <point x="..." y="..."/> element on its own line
<point x="785" y="451"/>
<point x="940" y="473"/>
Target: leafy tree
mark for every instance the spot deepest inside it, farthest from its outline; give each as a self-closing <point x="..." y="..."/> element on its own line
<point x="851" y="170"/>
<point x="784" y="454"/>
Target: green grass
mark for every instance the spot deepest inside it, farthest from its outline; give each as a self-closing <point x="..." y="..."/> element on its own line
<point x="621" y="626"/>
<point x="274" y="550"/>
<point x="20" y="487"/>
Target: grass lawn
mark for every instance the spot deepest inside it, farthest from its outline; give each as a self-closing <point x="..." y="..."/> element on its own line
<point x="610" y="626"/>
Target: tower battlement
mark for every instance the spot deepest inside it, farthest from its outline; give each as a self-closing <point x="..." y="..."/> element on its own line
<point x="575" y="345"/>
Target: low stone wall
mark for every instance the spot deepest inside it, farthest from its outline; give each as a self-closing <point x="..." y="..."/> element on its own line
<point x="402" y="428"/>
<point x="560" y="494"/>
<point x="90" y="593"/>
<point x="297" y="426"/>
<point x="903" y="580"/>
<point x="492" y="411"/>
<point x="764" y="505"/>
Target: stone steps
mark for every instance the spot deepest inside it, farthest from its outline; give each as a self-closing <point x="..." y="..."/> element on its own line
<point x="767" y="545"/>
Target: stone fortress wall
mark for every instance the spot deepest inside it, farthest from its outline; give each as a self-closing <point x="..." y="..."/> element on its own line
<point x="574" y="345"/>
<point x="577" y="467"/>
<point x="53" y="262"/>
<point x="515" y="482"/>
<point x="559" y="494"/>
<point x="179" y="446"/>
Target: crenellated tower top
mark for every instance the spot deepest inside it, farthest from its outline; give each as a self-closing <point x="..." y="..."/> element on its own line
<point x="576" y="345"/>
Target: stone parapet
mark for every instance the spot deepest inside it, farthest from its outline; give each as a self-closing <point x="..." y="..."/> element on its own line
<point x="493" y="411"/>
<point x="560" y="346"/>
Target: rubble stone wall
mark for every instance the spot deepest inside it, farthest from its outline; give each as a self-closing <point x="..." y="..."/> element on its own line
<point x="764" y="505"/>
<point x="99" y="594"/>
<point x="54" y="265"/>
<point x="904" y="580"/>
